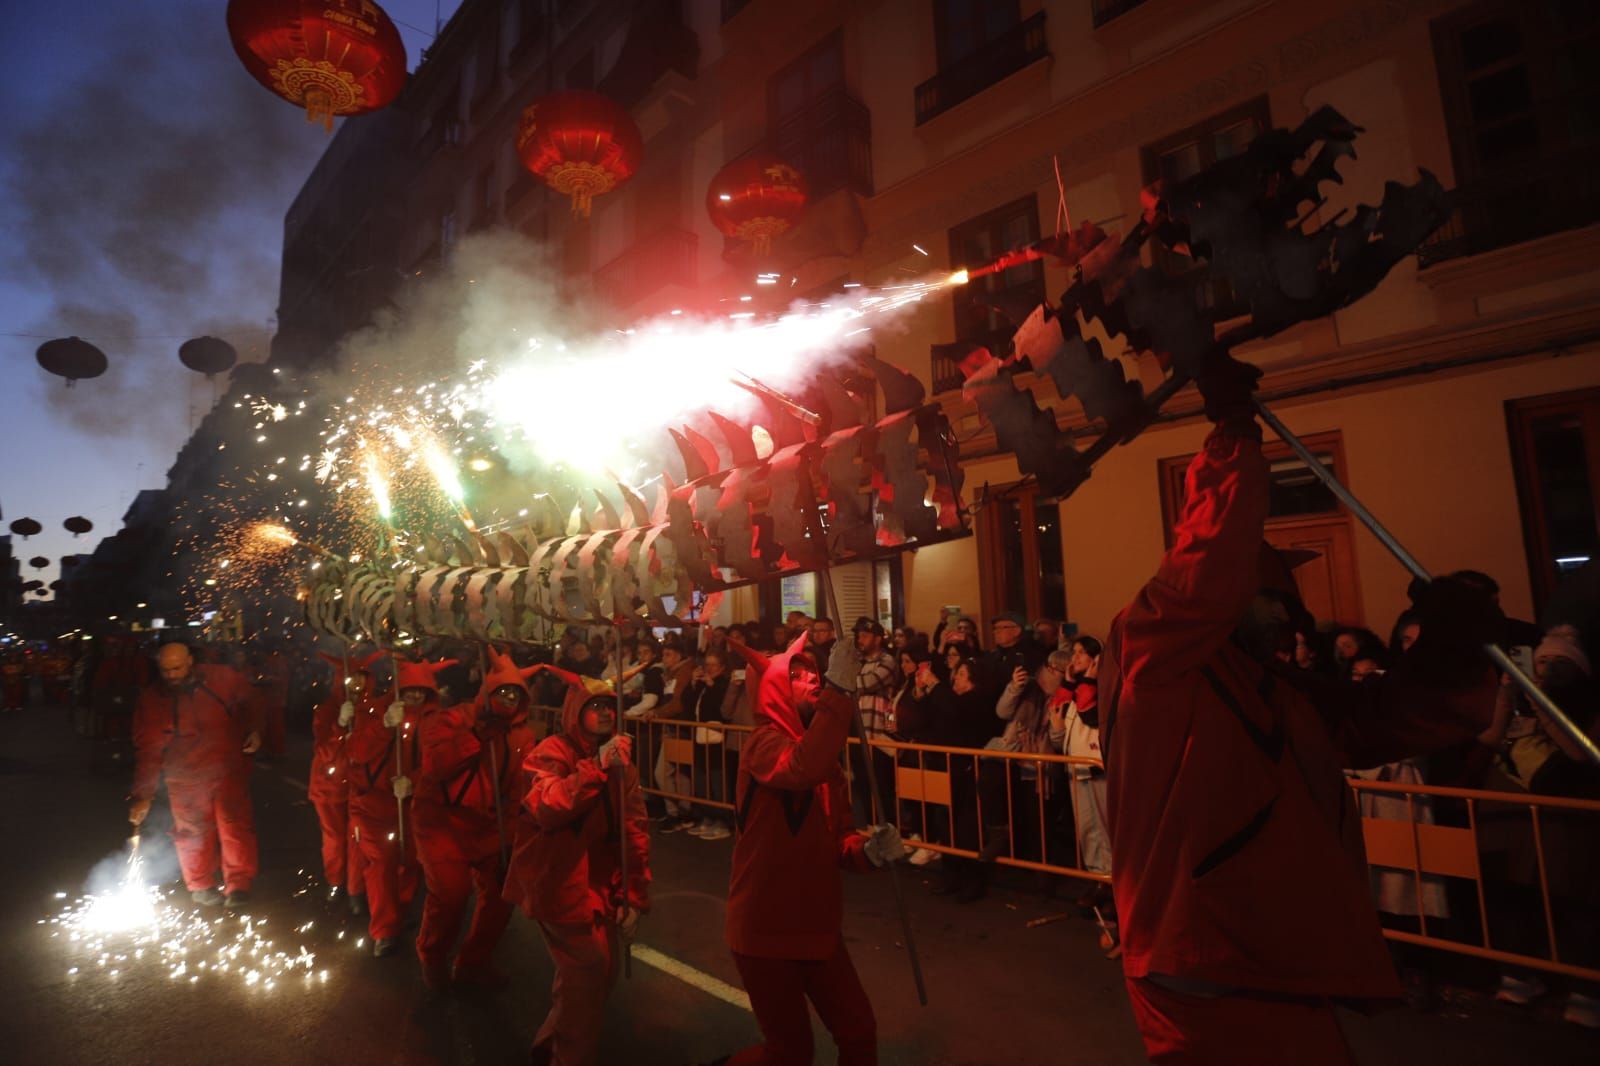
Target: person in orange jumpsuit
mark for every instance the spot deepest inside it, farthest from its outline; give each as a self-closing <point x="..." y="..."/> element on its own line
<point x="14" y="682"/>
<point x="329" y="785"/>
<point x="272" y="683"/>
<point x="1237" y="858"/>
<point x="582" y="808"/>
<point x="194" y="729"/>
<point x="382" y="753"/>
<point x="466" y="800"/>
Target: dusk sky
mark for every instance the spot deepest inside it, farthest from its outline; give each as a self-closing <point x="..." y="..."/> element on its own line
<point x="116" y="235"/>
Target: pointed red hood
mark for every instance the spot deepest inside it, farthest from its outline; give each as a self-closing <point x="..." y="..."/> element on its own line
<point x="580" y="690"/>
<point x="421" y="675"/>
<point x="503" y="672"/>
<point x="359" y="666"/>
<point x="775" y="697"/>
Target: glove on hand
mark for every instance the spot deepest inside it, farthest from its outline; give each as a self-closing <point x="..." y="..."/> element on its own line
<point x="844" y="664"/>
<point x="884" y="845"/>
<point x="615" y="752"/>
<point x="347" y="714"/>
<point x="394" y="715"/>
<point x="402" y="787"/>
<point x="1227" y="386"/>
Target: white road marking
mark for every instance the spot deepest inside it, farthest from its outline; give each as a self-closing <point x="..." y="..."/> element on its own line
<point x="711" y="986"/>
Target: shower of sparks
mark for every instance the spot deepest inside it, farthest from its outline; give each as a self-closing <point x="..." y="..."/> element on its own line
<point x="377" y="483"/>
<point x="538" y="412"/>
<point x="137" y="926"/>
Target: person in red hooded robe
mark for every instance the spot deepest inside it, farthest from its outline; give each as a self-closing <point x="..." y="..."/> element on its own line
<point x="328" y="788"/>
<point x="1237" y="859"/>
<point x="786" y="896"/>
<point x="466" y="799"/>
<point x="383" y="752"/>
<point x="194" y="729"/>
<point x="582" y="808"/>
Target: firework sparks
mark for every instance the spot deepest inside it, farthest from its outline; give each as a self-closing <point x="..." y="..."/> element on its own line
<point x="135" y="924"/>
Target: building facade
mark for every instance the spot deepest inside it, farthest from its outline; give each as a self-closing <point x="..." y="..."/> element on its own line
<point x="1460" y="401"/>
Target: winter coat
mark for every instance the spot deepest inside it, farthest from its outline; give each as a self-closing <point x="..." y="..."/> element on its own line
<point x="566" y="865"/>
<point x="1236" y="848"/>
<point x="192" y="736"/>
<point x="786" y="898"/>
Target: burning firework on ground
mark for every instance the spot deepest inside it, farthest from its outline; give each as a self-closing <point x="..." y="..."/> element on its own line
<point x="135" y="927"/>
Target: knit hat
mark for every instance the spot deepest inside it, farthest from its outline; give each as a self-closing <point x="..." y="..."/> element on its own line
<point x="1563" y="642"/>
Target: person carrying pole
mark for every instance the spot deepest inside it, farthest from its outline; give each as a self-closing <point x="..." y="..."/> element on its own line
<point x="1237" y="857"/>
<point x="381" y="745"/>
<point x="470" y="777"/>
<point x="566" y="869"/>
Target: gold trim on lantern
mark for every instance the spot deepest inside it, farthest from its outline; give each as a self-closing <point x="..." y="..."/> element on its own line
<point x="323" y="89"/>
<point x="761" y="232"/>
<point x="581" y="181"/>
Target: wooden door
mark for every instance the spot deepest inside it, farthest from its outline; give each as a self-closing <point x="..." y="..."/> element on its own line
<point x="1328" y="584"/>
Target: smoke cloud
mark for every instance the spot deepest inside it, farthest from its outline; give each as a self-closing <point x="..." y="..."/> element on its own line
<point x="146" y="198"/>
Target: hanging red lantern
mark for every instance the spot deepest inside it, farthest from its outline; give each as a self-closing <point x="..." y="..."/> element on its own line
<point x="331" y="57"/>
<point x="756" y="199"/>
<point x="581" y="143"/>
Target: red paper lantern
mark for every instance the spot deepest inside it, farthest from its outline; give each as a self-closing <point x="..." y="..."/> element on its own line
<point x="332" y="57"/>
<point x="581" y="143"/>
<point x="756" y="199"/>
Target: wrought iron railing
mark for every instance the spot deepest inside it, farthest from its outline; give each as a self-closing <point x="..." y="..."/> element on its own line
<point x="830" y="142"/>
<point x="1546" y="197"/>
<point x="1019" y="46"/>
<point x="1104" y="11"/>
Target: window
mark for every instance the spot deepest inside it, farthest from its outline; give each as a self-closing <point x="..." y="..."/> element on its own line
<point x="1019" y="555"/>
<point x="447" y="231"/>
<point x="1522" y="100"/>
<point x="1555" y="444"/>
<point x="962" y="27"/>
<point x="816" y="125"/>
<point x="486" y="66"/>
<point x="1302" y="514"/>
<point x="1106" y="10"/>
<point x="1185" y="154"/>
<point x="1017" y="289"/>
<point x="483" y="198"/>
<point x="979" y="43"/>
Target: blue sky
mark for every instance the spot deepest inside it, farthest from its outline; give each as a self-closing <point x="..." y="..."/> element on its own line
<point x="145" y="177"/>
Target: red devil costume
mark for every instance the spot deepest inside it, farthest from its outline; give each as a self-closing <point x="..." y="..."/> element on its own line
<point x="466" y="802"/>
<point x="786" y="897"/>
<point x="193" y="736"/>
<point x="566" y="870"/>
<point x="329" y="785"/>
<point x="1237" y="855"/>
<point x="387" y="850"/>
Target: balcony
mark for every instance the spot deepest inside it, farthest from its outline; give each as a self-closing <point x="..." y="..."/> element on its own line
<point x="1546" y="197"/>
<point x="658" y="43"/>
<point x="830" y="142"/>
<point x="667" y="257"/>
<point x="1103" y="11"/>
<point x="1018" y="47"/>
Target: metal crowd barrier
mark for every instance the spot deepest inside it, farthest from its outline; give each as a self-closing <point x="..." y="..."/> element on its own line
<point x="1493" y="852"/>
<point x="1490" y="851"/>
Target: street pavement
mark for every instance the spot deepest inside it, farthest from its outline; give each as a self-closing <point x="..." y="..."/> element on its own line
<point x="999" y="991"/>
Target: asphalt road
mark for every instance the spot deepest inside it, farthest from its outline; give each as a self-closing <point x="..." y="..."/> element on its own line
<point x="1000" y="992"/>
